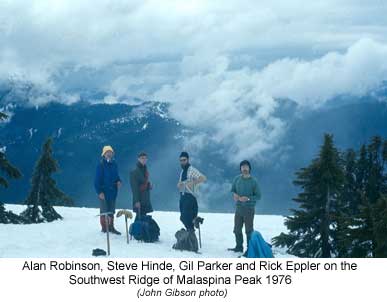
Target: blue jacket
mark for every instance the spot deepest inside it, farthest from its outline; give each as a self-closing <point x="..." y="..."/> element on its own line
<point x="106" y="178"/>
<point x="258" y="247"/>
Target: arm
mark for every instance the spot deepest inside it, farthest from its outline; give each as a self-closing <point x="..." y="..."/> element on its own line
<point x="135" y="187"/>
<point x="180" y="184"/>
<point x="234" y="192"/>
<point x="198" y="177"/>
<point x="235" y="196"/>
<point x="118" y="181"/>
<point x="98" y="182"/>
<point x="195" y="178"/>
<point x="256" y="193"/>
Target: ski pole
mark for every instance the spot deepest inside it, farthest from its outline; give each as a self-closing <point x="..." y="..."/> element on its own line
<point x="200" y="237"/>
<point x="107" y="233"/>
<point x="139" y="211"/>
<point x="106" y="215"/>
<point x="128" y="215"/>
<point x="197" y="222"/>
<point x="126" y="228"/>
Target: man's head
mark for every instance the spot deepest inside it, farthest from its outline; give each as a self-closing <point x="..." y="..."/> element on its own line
<point x="142" y="158"/>
<point x="107" y="152"/>
<point x="245" y="167"/>
<point x="184" y="159"/>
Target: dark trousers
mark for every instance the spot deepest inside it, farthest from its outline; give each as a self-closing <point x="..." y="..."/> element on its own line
<point x="188" y="210"/>
<point x="244" y="215"/>
<point x="107" y="206"/>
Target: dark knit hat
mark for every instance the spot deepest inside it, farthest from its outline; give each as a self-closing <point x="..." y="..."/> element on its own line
<point x="184" y="154"/>
<point x="245" y="162"/>
<point x="142" y="153"/>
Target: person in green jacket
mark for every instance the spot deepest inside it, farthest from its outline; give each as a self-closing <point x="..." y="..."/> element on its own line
<point x="245" y="192"/>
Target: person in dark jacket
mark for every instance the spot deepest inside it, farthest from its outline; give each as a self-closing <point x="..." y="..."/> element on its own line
<point x="107" y="182"/>
<point x="141" y="186"/>
<point x="189" y="180"/>
<point x="245" y="192"/>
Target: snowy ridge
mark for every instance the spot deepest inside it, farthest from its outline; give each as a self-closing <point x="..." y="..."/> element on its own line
<point x="79" y="233"/>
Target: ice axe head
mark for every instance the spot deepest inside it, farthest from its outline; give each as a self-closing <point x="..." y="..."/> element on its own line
<point x="126" y="213"/>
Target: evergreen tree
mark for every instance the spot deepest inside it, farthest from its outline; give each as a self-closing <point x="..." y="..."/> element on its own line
<point x="375" y="185"/>
<point x="44" y="192"/>
<point x="348" y="204"/>
<point x="380" y="227"/>
<point x="312" y="226"/>
<point x="5" y="166"/>
<point x="362" y="170"/>
<point x="372" y="187"/>
<point x="7" y="171"/>
<point x="350" y="197"/>
<point x="358" y="225"/>
<point x="361" y="226"/>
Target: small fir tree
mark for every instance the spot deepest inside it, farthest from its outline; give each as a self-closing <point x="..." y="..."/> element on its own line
<point x="44" y="192"/>
<point x="7" y="171"/>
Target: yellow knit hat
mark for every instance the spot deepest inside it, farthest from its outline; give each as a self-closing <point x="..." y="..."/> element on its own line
<point x="105" y="149"/>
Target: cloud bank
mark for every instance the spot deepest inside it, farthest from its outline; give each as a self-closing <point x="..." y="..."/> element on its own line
<point x="237" y="106"/>
<point x="222" y="66"/>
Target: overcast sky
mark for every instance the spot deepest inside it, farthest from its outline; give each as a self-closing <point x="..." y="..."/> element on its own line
<point x="221" y="64"/>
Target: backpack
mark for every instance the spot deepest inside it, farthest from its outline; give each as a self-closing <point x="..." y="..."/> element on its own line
<point x="186" y="241"/>
<point x="258" y="247"/>
<point x="145" y="228"/>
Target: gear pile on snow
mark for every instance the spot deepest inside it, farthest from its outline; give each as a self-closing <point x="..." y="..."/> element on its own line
<point x="98" y="252"/>
<point x="145" y="228"/>
<point x="186" y="241"/>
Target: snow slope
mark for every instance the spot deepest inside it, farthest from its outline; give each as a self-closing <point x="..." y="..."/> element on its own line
<point x="79" y="233"/>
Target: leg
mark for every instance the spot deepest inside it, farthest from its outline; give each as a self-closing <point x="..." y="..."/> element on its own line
<point x="181" y="208"/>
<point x="137" y="216"/>
<point x="102" y="209"/>
<point x="102" y="223"/>
<point x="195" y="208"/>
<point x="238" y="224"/>
<point x="112" y="209"/>
<point x="192" y="211"/>
<point x="187" y="207"/>
<point x="249" y="222"/>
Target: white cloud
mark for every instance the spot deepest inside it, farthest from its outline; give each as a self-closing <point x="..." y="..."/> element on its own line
<point x="236" y="107"/>
<point x="40" y="36"/>
<point x="361" y="68"/>
<point x="221" y="64"/>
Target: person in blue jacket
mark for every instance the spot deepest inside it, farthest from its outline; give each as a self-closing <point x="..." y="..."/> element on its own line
<point x="107" y="182"/>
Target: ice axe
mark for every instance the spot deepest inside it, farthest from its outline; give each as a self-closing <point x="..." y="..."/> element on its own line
<point x="106" y="215"/>
<point x="197" y="222"/>
<point x="128" y="215"/>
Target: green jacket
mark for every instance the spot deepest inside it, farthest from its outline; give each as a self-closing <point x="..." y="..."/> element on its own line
<point x="246" y="187"/>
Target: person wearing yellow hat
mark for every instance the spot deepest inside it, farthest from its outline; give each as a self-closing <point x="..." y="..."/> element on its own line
<point x="107" y="149"/>
<point x="107" y="182"/>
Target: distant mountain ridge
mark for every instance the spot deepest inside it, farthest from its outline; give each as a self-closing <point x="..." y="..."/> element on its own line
<point x="81" y="129"/>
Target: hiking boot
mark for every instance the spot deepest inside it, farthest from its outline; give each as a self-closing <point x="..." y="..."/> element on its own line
<point x="111" y="226"/>
<point x="237" y="249"/>
<point x="114" y="231"/>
